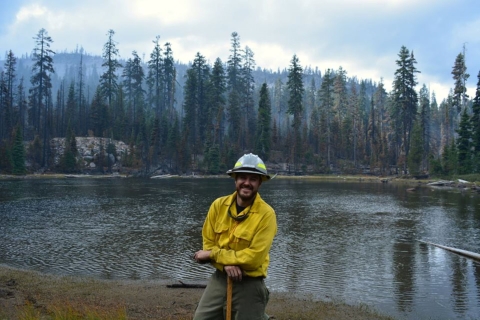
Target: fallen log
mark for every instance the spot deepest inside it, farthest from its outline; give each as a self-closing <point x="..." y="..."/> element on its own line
<point x="464" y="253"/>
<point x="186" y="285"/>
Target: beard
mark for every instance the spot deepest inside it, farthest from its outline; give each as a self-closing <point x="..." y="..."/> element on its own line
<point x="246" y="196"/>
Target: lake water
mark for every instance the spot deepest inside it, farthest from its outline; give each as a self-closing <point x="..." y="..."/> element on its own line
<point x="356" y="242"/>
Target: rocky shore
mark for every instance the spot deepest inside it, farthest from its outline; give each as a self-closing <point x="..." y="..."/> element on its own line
<point x="27" y="293"/>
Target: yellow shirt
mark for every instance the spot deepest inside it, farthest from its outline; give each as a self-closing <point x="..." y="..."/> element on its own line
<point x="240" y="243"/>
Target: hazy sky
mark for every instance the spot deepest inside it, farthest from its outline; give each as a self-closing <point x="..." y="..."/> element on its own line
<point x="364" y="37"/>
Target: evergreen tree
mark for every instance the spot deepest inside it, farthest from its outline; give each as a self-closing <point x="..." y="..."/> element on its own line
<point x="216" y="101"/>
<point x="295" y="103"/>
<point x="108" y="80"/>
<point x="82" y="123"/>
<point x="133" y="80"/>
<point x="99" y="114"/>
<point x="170" y="78"/>
<point x="190" y="107"/>
<point x="449" y="159"/>
<point x="326" y="109"/>
<point x="248" y="91"/>
<point x="68" y="161"/>
<point x="34" y="152"/>
<point x="71" y="115"/>
<point x="18" y="153"/>
<point x="5" y="110"/>
<point x="405" y="98"/>
<point x="464" y="153"/>
<point x="41" y="84"/>
<point x="7" y="81"/>
<point x="234" y="83"/>
<point x="155" y="78"/>
<point x="425" y="119"/>
<point x="21" y="106"/>
<point x="263" y="135"/>
<point x="415" y="156"/>
<point x="475" y="123"/>
<point x="460" y="76"/>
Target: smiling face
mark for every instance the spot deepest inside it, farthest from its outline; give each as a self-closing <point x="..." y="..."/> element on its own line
<point x="247" y="185"/>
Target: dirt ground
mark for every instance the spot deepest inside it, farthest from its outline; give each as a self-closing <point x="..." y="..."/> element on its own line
<point x="44" y="295"/>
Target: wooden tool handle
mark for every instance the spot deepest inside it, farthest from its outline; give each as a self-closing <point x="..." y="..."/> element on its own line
<point x="229" y="298"/>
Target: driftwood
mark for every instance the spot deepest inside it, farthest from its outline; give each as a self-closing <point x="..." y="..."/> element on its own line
<point x="186" y="285"/>
<point x="465" y="253"/>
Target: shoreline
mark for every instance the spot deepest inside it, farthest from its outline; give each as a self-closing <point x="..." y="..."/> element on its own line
<point x="23" y="291"/>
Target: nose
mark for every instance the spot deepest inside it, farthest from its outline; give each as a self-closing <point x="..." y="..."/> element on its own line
<point x="247" y="181"/>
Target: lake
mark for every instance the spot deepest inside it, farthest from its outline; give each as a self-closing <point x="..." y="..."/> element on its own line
<point x="356" y="242"/>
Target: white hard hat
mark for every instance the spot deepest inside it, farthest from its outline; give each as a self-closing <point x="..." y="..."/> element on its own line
<point x="250" y="163"/>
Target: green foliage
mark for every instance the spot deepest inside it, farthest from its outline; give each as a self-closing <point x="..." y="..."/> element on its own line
<point x="415" y="156"/>
<point x="6" y="162"/>
<point x="460" y="76"/>
<point x="475" y="123"/>
<point x="404" y="98"/>
<point x="464" y="150"/>
<point x="449" y="159"/>
<point x="108" y="80"/>
<point x="68" y="161"/>
<point x="34" y="152"/>
<point x="218" y="111"/>
<point x="263" y="136"/>
<point x="213" y="157"/>
<point x="18" y="153"/>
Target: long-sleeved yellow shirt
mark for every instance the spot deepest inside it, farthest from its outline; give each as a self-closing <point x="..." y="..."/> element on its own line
<point x="240" y="243"/>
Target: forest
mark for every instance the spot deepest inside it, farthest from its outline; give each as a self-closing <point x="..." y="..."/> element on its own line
<point x="201" y="116"/>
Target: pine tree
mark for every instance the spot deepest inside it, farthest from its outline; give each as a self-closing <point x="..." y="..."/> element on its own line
<point x="108" y="80"/>
<point x="234" y="64"/>
<point x="295" y="104"/>
<point x="216" y="101"/>
<point x="155" y="78"/>
<point x="170" y="78"/>
<point x="190" y="107"/>
<point x="7" y="120"/>
<point x="18" y="153"/>
<point x="405" y="98"/>
<point x="68" y="161"/>
<point x="263" y="134"/>
<point x="464" y="144"/>
<point x="133" y="77"/>
<point x="41" y="84"/>
<point x="71" y="115"/>
<point x="460" y="76"/>
<point x="425" y="119"/>
<point x="415" y="156"/>
<point x="326" y="109"/>
<point x="248" y="91"/>
<point x="81" y="102"/>
<point x="475" y="123"/>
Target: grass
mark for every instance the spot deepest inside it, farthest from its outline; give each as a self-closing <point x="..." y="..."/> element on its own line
<point x="70" y="311"/>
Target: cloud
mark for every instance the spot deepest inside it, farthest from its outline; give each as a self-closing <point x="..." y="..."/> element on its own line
<point x="364" y="37"/>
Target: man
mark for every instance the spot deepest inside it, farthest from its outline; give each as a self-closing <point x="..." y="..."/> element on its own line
<point x="237" y="235"/>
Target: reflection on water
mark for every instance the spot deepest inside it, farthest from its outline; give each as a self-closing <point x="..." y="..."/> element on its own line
<point x="356" y="242"/>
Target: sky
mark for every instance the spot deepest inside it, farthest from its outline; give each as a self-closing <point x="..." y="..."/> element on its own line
<point x="363" y="37"/>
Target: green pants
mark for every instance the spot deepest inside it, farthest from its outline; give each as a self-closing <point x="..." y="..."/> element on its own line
<point x="249" y="299"/>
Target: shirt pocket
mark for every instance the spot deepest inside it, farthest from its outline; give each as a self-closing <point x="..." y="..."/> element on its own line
<point x="241" y="238"/>
<point x="221" y="234"/>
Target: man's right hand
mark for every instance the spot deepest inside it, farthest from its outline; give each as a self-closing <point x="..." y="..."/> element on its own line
<point x="234" y="272"/>
<point x="202" y="256"/>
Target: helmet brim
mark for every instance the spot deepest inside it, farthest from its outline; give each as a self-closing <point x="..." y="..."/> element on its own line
<point x="264" y="176"/>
